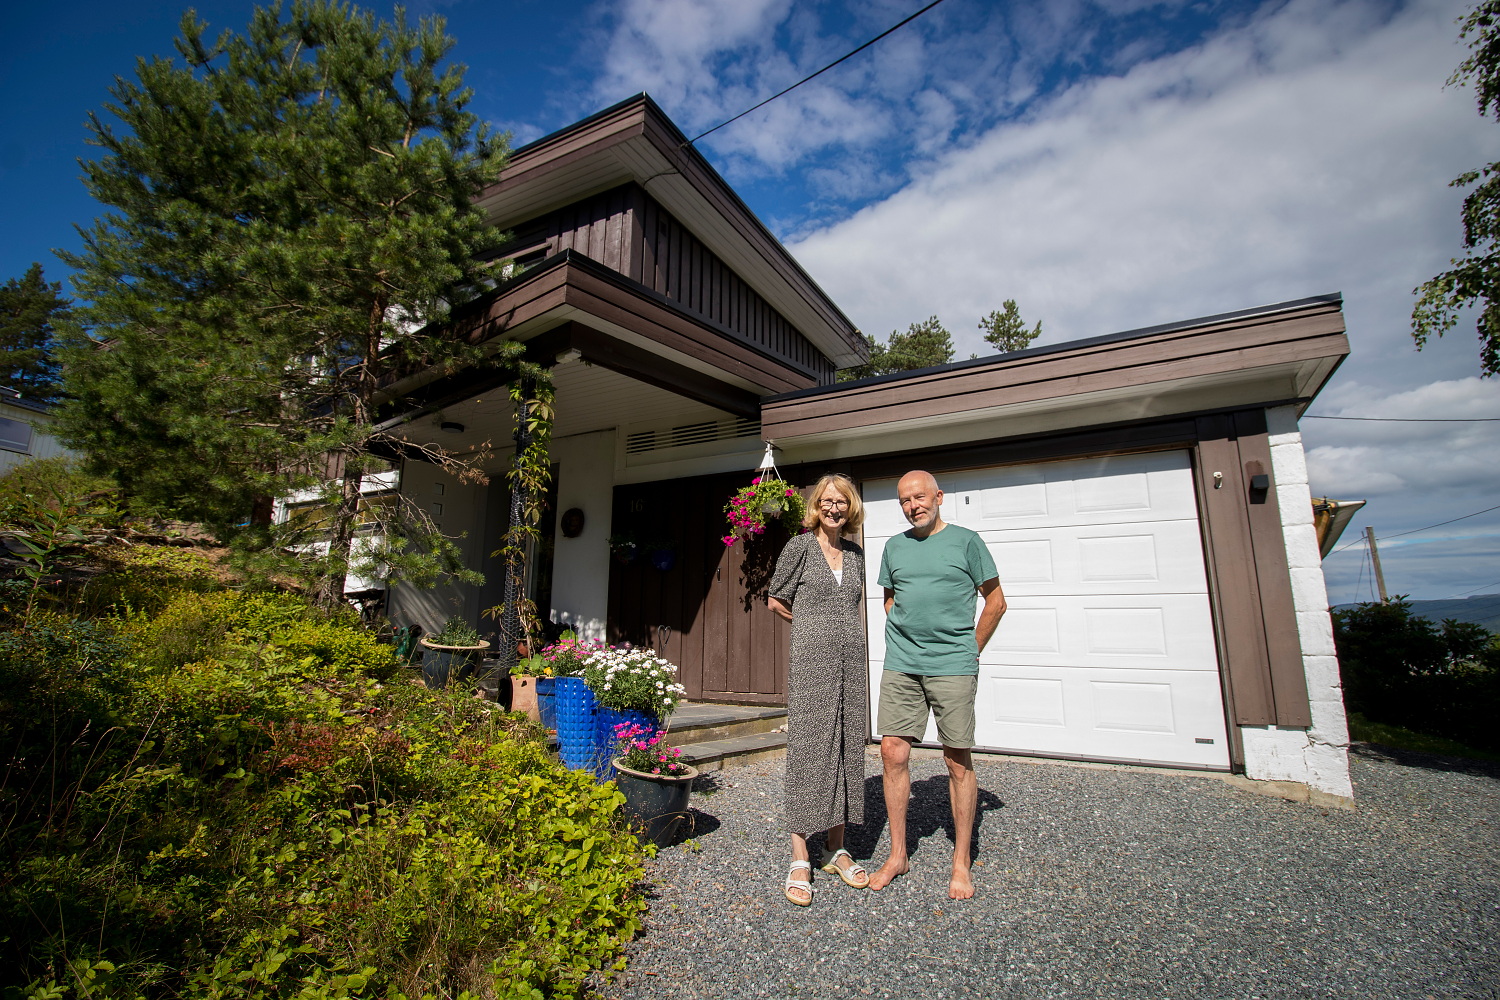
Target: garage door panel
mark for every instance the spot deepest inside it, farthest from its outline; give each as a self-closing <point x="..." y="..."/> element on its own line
<point x="1131" y="632"/>
<point x="1140" y="557"/>
<point x="1161" y="717"/>
<point x="1107" y="649"/>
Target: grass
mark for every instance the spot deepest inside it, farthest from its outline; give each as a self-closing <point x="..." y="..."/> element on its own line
<point x="1366" y="731"/>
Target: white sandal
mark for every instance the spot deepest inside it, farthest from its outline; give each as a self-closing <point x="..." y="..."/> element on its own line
<point x="797" y="883"/>
<point x="831" y="866"/>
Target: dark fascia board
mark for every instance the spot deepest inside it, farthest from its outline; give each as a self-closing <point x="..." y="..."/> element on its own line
<point x="571" y="258"/>
<point x="677" y="146"/>
<point x="1218" y="319"/>
<point x="14" y="398"/>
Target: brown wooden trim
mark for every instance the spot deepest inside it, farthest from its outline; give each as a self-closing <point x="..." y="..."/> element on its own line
<point x="1273" y="578"/>
<point x="1235" y="593"/>
<point x="606" y="351"/>
<point x="1096" y="368"/>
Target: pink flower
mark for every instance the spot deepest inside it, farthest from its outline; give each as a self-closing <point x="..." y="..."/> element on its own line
<point x="727" y="540"/>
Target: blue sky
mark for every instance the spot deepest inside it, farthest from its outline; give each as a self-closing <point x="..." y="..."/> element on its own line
<point x="1110" y="165"/>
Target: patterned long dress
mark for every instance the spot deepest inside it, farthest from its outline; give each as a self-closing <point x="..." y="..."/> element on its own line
<point x="827" y="699"/>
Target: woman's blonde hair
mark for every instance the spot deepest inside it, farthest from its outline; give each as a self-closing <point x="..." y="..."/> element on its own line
<point x="844" y="485"/>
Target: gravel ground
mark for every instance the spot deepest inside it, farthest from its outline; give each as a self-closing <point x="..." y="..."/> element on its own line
<point x="1096" y="883"/>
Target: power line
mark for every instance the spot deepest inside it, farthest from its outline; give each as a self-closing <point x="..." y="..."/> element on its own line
<point x="1409" y="420"/>
<point x="1413" y="531"/>
<point x="1476" y="590"/>
<point x="819" y="73"/>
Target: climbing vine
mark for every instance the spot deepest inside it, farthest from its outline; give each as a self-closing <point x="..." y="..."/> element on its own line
<point x="530" y="476"/>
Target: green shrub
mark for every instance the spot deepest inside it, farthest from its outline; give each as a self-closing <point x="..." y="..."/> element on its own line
<point x="1401" y="669"/>
<point x="222" y="800"/>
<point x="143" y="579"/>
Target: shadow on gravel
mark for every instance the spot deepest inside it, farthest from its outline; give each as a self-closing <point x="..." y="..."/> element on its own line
<point x="1427" y="761"/>
<point x="927" y="813"/>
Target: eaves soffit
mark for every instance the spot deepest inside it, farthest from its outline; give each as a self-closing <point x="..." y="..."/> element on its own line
<point x="635" y="141"/>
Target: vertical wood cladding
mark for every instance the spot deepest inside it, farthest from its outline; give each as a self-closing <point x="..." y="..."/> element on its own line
<point x="707" y="611"/>
<point x="626" y="230"/>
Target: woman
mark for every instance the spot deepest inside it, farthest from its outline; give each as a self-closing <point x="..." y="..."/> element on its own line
<point x="818" y="584"/>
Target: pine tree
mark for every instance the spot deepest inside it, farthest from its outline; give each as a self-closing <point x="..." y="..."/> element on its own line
<point x="1005" y="331"/>
<point x="30" y="309"/>
<point x="922" y="345"/>
<point x="293" y="220"/>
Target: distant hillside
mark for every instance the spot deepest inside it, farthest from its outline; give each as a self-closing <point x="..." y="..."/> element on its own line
<point x="1481" y="609"/>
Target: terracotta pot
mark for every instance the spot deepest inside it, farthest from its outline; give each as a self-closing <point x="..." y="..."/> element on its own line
<point x="523" y="696"/>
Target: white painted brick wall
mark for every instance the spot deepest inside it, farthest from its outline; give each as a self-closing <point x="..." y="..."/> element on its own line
<point x="1317" y="756"/>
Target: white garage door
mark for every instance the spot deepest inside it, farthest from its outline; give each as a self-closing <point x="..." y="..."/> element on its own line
<point x="1107" y="650"/>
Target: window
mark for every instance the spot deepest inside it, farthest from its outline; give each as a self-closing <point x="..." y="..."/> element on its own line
<point x="15" y="435"/>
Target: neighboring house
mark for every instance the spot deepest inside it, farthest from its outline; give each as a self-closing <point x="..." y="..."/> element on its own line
<point x="25" y="431"/>
<point x="1144" y="493"/>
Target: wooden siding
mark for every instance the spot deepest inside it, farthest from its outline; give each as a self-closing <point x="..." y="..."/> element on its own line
<point x="708" y="612"/>
<point x="628" y="231"/>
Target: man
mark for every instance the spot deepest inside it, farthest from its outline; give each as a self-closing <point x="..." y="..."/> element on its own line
<point x="930" y="575"/>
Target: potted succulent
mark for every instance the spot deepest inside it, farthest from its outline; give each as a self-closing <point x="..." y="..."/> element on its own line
<point x="656" y="784"/>
<point x="633" y="686"/>
<point x="766" y="498"/>
<point x="454" y="648"/>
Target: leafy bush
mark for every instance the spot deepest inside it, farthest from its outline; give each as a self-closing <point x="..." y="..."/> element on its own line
<point x="145" y="578"/>
<point x="632" y="679"/>
<point x="223" y="800"/>
<point x="1402" y="669"/>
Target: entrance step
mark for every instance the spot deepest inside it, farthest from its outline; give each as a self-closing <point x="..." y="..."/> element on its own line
<point x="737" y="751"/>
<point x="696" y="722"/>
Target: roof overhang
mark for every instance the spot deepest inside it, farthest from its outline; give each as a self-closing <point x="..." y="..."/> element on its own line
<point x="1259" y="357"/>
<point x="635" y="141"/>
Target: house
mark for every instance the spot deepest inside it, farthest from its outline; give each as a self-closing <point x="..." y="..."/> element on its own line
<point x="25" y="431"/>
<point x="1144" y="493"/>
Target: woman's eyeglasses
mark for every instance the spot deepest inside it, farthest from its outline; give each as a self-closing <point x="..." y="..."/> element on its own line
<point x="834" y="504"/>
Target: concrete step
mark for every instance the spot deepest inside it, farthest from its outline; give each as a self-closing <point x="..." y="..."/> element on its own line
<point x="736" y="751"/>
<point x="696" y="722"/>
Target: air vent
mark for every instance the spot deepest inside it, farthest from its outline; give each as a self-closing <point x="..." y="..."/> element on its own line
<point x="702" y="432"/>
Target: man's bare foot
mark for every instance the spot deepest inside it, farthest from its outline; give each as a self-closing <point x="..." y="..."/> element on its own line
<point x="888" y="872"/>
<point x="961" y="886"/>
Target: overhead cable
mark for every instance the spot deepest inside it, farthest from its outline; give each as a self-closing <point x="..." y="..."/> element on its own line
<point x="819" y="73"/>
<point x="1413" y="531"/>
<point x="1409" y="420"/>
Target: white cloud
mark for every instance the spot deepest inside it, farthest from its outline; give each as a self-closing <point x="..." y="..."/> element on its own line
<point x="1305" y="151"/>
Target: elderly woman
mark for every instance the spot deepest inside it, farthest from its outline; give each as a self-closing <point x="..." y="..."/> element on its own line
<point x="818" y="584"/>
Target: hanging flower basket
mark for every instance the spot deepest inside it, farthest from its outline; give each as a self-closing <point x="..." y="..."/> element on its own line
<point x="767" y="498"/>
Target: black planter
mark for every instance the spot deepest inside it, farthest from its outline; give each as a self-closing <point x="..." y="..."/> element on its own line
<point x="657" y="804"/>
<point x="440" y="664"/>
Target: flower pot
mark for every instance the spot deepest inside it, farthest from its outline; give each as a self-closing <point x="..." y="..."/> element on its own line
<point x="576" y="708"/>
<point x="771" y="508"/>
<point x="546" y="701"/>
<point x="523" y="696"/>
<point x="605" y="722"/>
<point x="664" y="559"/>
<point x="657" y="803"/>
<point x="443" y="663"/>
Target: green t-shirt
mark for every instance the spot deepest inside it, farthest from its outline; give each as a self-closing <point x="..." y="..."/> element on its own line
<point x="930" y="629"/>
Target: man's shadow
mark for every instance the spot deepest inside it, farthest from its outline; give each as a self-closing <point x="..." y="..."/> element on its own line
<point x="927" y="812"/>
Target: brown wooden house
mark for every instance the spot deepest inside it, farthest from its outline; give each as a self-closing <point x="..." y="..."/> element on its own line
<point x="1144" y="493"/>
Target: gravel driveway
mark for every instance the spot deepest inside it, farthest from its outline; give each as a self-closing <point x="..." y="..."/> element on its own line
<point x="1097" y="883"/>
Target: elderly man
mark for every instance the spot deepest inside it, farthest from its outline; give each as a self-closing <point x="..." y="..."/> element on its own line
<point x="930" y="575"/>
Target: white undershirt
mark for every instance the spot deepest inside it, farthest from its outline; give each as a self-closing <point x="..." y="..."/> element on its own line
<point x="838" y="575"/>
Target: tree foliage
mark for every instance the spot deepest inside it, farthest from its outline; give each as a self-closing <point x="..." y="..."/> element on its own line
<point x="1474" y="278"/>
<point x="928" y="343"/>
<point x="1005" y="331"/>
<point x="30" y="309"/>
<point x="292" y="220"/>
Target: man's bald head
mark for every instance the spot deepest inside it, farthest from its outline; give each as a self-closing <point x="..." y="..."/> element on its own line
<point x="920" y="499"/>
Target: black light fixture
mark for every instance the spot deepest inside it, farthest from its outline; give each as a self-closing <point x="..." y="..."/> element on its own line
<point x="451" y="427"/>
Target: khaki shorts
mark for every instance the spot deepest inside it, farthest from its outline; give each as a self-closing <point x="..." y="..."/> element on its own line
<point x="905" y="700"/>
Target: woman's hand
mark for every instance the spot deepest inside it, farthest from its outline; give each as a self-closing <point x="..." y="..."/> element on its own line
<point x="781" y="610"/>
